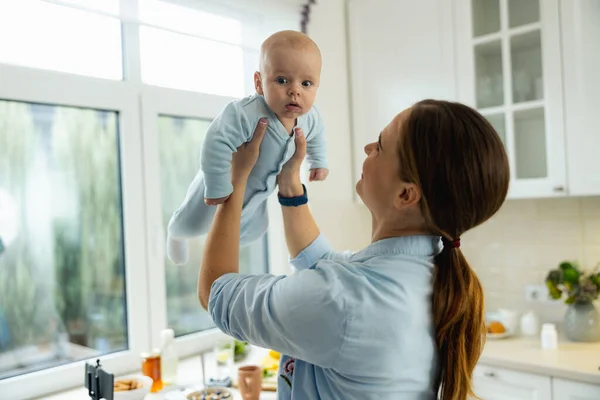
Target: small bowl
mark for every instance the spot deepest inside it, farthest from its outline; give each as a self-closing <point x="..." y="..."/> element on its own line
<point x="211" y="393"/>
<point x="135" y="394"/>
<point x="505" y="320"/>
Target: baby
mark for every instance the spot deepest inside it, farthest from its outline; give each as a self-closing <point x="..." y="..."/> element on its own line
<point x="286" y="86"/>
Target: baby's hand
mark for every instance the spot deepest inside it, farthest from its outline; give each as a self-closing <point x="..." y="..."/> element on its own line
<point x="214" y="202"/>
<point x="318" y="174"/>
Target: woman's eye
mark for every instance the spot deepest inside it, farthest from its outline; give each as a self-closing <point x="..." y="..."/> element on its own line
<point x="281" y="80"/>
<point x="307" y="83"/>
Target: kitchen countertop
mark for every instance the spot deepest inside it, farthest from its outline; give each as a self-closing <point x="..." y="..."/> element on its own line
<point x="189" y="377"/>
<point x="576" y="361"/>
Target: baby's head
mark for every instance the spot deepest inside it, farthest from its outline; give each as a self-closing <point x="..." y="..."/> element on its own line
<point x="289" y="73"/>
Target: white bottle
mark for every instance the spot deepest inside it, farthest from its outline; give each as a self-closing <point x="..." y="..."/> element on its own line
<point x="529" y="324"/>
<point x="168" y="357"/>
<point x="549" y="337"/>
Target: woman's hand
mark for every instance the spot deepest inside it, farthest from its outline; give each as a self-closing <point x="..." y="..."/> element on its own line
<point x="245" y="157"/>
<point x="288" y="179"/>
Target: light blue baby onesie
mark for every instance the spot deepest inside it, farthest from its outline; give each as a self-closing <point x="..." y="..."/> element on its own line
<point x="234" y="126"/>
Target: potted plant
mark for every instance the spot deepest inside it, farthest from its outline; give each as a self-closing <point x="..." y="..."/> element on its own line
<point x="580" y="289"/>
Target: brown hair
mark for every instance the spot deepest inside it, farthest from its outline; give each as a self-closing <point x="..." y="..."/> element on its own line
<point x="459" y="162"/>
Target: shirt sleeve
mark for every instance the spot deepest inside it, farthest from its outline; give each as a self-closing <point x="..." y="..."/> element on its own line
<point x="319" y="249"/>
<point x="302" y="315"/>
<point x="316" y="145"/>
<point x="225" y="134"/>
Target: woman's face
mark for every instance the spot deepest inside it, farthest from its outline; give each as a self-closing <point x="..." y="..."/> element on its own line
<point x="380" y="180"/>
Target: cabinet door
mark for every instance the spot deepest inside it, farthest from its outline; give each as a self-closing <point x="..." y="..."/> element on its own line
<point x="509" y="68"/>
<point x="401" y="51"/>
<point x="580" y="26"/>
<point x="491" y="383"/>
<point x="563" y="389"/>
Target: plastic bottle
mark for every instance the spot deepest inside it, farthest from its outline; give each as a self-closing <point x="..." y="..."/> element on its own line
<point x="529" y="324"/>
<point x="549" y="337"/>
<point x="169" y="359"/>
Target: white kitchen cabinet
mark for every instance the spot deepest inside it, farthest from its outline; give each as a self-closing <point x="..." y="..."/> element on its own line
<point x="580" y="26"/>
<point x="509" y="67"/>
<point x="531" y="67"/>
<point x="492" y="383"/>
<point x="563" y="389"/>
<point x="400" y="51"/>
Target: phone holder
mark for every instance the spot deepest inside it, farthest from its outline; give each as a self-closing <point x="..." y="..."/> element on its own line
<point x="99" y="383"/>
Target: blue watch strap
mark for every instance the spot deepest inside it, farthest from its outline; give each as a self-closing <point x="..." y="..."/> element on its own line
<point x="293" y="201"/>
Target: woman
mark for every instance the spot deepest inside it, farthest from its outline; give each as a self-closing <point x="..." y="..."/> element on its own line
<point x="401" y="319"/>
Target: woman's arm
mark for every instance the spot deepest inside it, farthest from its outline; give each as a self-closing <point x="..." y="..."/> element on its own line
<point x="299" y="225"/>
<point x="221" y="250"/>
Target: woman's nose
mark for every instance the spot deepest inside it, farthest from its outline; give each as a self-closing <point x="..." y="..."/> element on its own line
<point x="368" y="148"/>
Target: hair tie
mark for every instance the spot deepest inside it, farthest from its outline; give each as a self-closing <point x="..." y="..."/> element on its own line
<point x="451" y="244"/>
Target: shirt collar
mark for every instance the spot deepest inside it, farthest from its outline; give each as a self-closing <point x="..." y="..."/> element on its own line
<point x="415" y="245"/>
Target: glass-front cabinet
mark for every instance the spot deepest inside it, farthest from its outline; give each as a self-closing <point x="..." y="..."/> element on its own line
<point x="509" y="68"/>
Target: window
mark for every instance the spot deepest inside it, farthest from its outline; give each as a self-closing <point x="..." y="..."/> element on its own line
<point x="93" y="162"/>
<point x="185" y="62"/>
<point x="62" y="290"/>
<point x="180" y="143"/>
<point x="43" y="35"/>
<point x="191" y="21"/>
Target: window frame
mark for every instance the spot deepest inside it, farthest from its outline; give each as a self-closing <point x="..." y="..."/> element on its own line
<point x="158" y="101"/>
<point x="60" y="89"/>
<point x="138" y="106"/>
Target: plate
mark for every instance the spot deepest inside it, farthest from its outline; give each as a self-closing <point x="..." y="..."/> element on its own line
<point x="211" y="393"/>
<point x="497" y="336"/>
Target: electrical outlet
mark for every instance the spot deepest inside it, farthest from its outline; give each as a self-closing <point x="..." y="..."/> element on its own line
<point x="536" y="293"/>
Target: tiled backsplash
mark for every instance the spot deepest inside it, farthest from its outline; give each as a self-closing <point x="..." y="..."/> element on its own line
<point x="524" y="240"/>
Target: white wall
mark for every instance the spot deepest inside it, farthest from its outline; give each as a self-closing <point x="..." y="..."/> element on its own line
<point x="346" y="223"/>
<point x="517" y="247"/>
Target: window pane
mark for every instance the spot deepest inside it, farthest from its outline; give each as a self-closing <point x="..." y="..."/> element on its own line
<point x="526" y="64"/>
<point x="488" y="74"/>
<point x="189" y="63"/>
<point x="521" y="12"/>
<point x="190" y="20"/>
<point x="62" y="289"/>
<point x="497" y="121"/>
<point x="486" y="16"/>
<point x="180" y="141"/>
<point x="530" y="144"/>
<point x="49" y="36"/>
<point x="107" y="6"/>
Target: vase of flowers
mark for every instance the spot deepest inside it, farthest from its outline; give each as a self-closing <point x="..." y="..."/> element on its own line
<point x="580" y="290"/>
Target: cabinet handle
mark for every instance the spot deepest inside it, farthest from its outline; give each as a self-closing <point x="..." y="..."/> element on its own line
<point x="559" y="188"/>
<point x="489" y="374"/>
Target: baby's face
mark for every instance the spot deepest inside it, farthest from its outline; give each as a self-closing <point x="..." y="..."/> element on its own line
<point x="290" y="81"/>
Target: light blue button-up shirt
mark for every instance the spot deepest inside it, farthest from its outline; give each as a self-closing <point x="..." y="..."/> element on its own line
<point x="350" y="325"/>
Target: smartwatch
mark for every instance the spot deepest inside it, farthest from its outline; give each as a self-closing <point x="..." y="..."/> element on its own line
<point x="293" y="201"/>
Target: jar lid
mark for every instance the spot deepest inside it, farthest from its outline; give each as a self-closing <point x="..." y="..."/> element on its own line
<point x="548" y="326"/>
<point x="150" y="354"/>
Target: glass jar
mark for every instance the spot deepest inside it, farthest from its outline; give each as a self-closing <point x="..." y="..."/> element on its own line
<point x="151" y="368"/>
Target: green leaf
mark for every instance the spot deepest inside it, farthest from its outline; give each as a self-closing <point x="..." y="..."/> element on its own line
<point x="566" y="265"/>
<point x="554" y="292"/>
<point x="571" y="276"/>
<point x="570" y="299"/>
<point x="595" y="279"/>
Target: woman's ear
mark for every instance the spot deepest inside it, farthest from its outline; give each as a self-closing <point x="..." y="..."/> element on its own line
<point x="258" y="83"/>
<point x="409" y="194"/>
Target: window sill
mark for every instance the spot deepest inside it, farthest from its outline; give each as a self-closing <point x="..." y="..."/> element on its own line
<point x="189" y="376"/>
